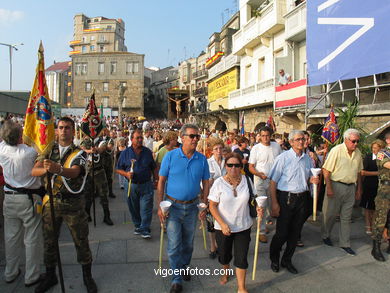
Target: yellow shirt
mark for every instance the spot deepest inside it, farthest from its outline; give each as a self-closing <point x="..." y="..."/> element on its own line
<point x="343" y="167"/>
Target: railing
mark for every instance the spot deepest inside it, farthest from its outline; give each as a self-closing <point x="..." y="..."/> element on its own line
<point x="226" y="63"/>
<point x="200" y="74"/>
<point x="269" y="20"/>
<point x="257" y="94"/>
<point x="200" y="91"/>
<point x="296" y="23"/>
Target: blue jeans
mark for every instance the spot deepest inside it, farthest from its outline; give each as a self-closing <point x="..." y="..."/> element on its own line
<point x="181" y="225"/>
<point x="140" y="205"/>
<point x="122" y="180"/>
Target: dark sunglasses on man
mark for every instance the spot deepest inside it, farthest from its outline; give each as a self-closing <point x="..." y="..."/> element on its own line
<point x="234" y="165"/>
<point x="192" y="136"/>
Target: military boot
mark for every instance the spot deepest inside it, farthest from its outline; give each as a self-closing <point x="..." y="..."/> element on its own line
<point x="50" y="279"/>
<point x="88" y="211"/>
<point x="107" y="218"/>
<point x="88" y="280"/>
<point x="388" y="248"/>
<point x="376" y="251"/>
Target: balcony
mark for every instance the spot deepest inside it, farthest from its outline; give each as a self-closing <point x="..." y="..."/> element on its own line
<point x="200" y="92"/>
<point x="291" y="95"/>
<point x="200" y="74"/>
<point x="296" y="23"/>
<point x="225" y="64"/>
<point x="102" y="41"/>
<point x="269" y="21"/>
<point x="261" y="93"/>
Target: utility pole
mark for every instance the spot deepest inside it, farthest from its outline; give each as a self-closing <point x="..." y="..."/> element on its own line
<point x="11" y="47"/>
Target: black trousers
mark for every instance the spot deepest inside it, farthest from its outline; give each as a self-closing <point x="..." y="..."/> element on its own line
<point x="292" y="216"/>
<point x="239" y="242"/>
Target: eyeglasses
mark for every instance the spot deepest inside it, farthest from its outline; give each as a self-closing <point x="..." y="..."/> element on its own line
<point x="300" y="139"/>
<point x="234" y="165"/>
<point x="354" y="141"/>
<point x="192" y="136"/>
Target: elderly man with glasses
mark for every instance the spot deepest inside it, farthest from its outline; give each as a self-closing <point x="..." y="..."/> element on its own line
<point x="289" y="188"/>
<point x="343" y="185"/>
<point x="182" y="170"/>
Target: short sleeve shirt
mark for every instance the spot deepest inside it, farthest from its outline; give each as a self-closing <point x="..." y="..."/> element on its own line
<point x="183" y="174"/>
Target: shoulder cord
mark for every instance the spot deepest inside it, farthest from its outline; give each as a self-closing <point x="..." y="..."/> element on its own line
<point x="84" y="179"/>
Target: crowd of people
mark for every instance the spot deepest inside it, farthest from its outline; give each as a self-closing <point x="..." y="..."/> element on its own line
<point x="186" y="166"/>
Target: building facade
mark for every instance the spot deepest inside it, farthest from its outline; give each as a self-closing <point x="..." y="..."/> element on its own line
<point x="104" y="73"/>
<point x="58" y="80"/>
<point x="100" y="62"/>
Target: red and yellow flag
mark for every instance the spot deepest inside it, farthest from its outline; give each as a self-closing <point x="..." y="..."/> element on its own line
<point x="38" y="129"/>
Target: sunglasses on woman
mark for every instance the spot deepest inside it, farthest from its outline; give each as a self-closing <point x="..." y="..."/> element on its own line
<point x="234" y="165"/>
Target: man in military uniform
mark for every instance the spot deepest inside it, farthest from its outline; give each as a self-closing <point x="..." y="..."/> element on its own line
<point x="67" y="164"/>
<point x="382" y="200"/>
<point x="108" y="159"/>
<point x="96" y="149"/>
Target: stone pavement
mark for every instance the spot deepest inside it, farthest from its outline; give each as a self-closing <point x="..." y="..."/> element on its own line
<point x="124" y="262"/>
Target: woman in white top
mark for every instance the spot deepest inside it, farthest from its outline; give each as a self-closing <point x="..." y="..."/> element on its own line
<point x="228" y="199"/>
<point x="217" y="169"/>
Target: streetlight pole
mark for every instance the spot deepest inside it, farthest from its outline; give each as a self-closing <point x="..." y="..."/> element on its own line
<point x="10" y="47"/>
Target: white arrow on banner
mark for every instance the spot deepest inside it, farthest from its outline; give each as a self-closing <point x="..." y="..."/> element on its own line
<point x="366" y="23"/>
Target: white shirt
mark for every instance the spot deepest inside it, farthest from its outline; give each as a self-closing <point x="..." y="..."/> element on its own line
<point x="262" y="157"/>
<point x="63" y="150"/>
<point x="148" y="142"/>
<point x="216" y="170"/>
<point x="233" y="210"/>
<point x="17" y="162"/>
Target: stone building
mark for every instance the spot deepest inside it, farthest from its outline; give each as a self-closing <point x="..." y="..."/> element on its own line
<point x="104" y="72"/>
<point x="156" y="103"/>
<point x="58" y="80"/>
<point x="100" y="62"/>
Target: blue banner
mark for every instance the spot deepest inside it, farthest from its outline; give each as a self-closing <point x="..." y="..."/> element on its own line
<point x="347" y="39"/>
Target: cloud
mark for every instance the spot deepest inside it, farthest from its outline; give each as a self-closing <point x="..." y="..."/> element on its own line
<point x="9" y="16"/>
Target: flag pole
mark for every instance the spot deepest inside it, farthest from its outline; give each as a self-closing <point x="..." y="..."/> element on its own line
<point x="93" y="189"/>
<point x="55" y="228"/>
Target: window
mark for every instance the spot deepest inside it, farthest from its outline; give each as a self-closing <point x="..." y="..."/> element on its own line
<point x="123" y="83"/>
<point x="124" y="102"/>
<point x="105" y="86"/>
<point x="261" y="69"/>
<point x="92" y="38"/>
<point x="84" y="39"/>
<point x="102" y="38"/>
<point x="92" y="48"/>
<point x="86" y="100"/>
<point x="88" y="86"/>
<point x="132" y="67"/>
<point x="109" y="27"/>
<point x="101" y="48"/>
<point x="84" y="68"/>
<point x="84" y="49"/>
<point x="105" y="102"/>
<point x="248" y="74"/>
<point x="100" y="68"/>
<point x="78" y="69"/>
<point x="113" y="67"/>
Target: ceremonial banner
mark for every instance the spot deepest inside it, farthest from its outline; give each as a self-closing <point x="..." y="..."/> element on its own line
<point x="347" y="39"/>
<point x="222" y="86"/>
<point x="38" y="129"/>
<point x="91" y="124"/>
<point x="242" y="123"/>
<point x="330" y="132"/>
<point x="271" y="124"/>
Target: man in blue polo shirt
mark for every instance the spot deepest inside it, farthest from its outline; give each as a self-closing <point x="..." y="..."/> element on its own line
<point x="140" y="200"/>
<point x="182" y="170"/>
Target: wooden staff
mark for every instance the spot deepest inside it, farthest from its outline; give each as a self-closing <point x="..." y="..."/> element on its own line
<point x="256" y="247"/>
<point x="130" y="179"/>
<point x="161" y="246"/>
<point x="204" y="235"/>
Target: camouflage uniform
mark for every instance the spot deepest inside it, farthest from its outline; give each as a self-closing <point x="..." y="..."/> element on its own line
<point x="100" y="181"/>
<point x="108" y="161"/>
<point x="382" y="200"/>
<point x="68" y="208"/>
<point x="382" y="203"/>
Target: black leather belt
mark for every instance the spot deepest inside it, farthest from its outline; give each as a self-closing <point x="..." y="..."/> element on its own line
<point x="13" y="192"/>
<point x="181" y="201"/>
<point x="298" y="194"/>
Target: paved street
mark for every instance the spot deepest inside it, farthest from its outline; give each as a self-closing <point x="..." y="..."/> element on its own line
<point x="124" y="262"/>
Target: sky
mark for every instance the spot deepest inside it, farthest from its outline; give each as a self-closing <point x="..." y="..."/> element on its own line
<point x="166" y="31"/>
